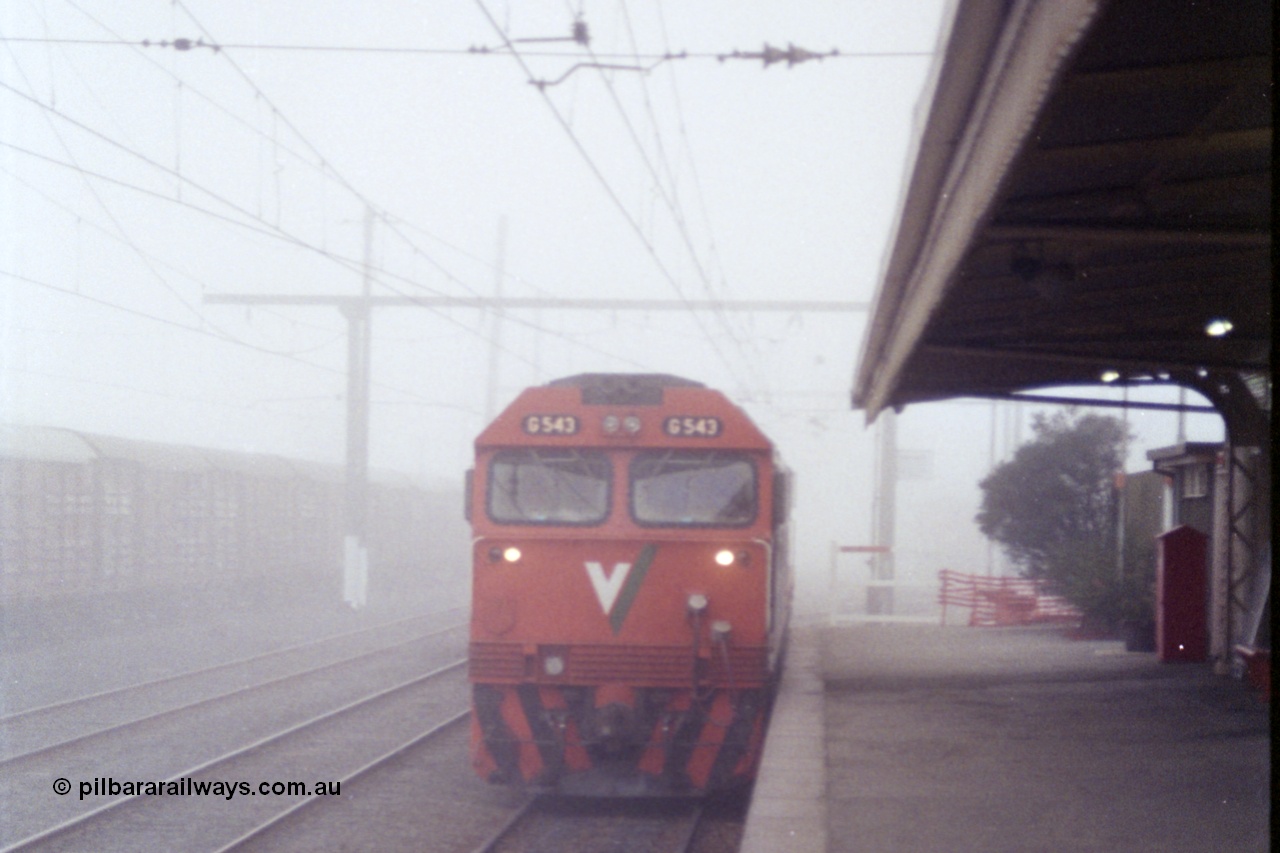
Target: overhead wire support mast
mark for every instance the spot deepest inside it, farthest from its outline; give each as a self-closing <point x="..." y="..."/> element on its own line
<point x="358" y="312"/>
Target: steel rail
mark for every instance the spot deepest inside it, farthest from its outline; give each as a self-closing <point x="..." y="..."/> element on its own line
<point x="208" y="699"/>
<point x="686" y="840"/>
<point x="102" y="694"/>
<point x="503" y="831"/>
<point x="355" y="774"/>
<point x="83" y="818"/>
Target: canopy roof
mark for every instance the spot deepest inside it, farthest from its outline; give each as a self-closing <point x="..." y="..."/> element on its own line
<point x="1091" y="190"/>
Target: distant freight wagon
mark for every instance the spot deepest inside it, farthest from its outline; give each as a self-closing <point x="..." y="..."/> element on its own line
<point x="84" y="514"/>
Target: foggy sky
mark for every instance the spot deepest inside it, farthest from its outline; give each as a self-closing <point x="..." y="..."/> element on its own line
<point x="140" y="179"/>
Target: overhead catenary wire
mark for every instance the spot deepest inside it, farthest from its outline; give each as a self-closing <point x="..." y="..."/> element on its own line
<point x="325" y="168"/>
<point x="470" y="51"/>
<point x="349" y="263"/>
<point x="124" y="309"/>
<point x="668" y="194"/>
<point x="148" y="260"/>
<point x="381" y="215"/>
<point x="365" y="201"/>
<point x="86" y="173"/>
<point x="256" y="223"/>
<point x="196" y="91"/>
<point x="613" y="196"/>
<point x="678" y="211"/>
<point x="106" y="209"/>
<point x="155" y="260"/>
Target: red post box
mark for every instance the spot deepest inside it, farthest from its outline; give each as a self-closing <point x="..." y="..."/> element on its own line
<point x="1181" y="595"/>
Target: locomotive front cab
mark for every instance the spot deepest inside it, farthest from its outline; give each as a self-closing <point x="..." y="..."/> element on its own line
<point x="624" y="571"/>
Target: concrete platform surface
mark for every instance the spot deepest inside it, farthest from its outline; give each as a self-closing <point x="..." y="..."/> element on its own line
<point x="1011" y="739"/>
<point x="789" y="805"/>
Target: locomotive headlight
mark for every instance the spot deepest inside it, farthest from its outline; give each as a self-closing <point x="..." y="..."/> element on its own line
<point x="610" y="423"/>
<point x="631" y="424"/>
<point x="697" y="604"/>
<point x="509" y="554"/>
<point x="724" y="557"/>
<point x="553" y="665"/>
<point x="720" y="630"/>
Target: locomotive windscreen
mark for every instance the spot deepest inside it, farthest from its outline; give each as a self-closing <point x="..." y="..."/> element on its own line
<point x="693" y="488"/>
<point x="549" y="486"/>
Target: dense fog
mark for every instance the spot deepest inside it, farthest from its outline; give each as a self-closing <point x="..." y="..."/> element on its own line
<point x="160" y="155"/>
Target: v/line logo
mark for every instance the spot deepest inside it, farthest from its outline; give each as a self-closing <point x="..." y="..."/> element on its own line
<point x="617" y="590"/>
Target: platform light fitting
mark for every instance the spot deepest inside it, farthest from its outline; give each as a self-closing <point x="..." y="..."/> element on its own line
<point x="1218" y="327"/>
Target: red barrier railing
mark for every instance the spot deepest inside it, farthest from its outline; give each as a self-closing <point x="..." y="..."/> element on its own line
<point x="995" y="602"/>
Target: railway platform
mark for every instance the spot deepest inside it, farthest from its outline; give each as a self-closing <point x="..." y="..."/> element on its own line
<point x="918" y="737"/>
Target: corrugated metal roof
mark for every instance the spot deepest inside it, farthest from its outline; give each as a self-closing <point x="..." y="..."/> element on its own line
<point x="65" y="445"/>
<point x="169" y="457"/>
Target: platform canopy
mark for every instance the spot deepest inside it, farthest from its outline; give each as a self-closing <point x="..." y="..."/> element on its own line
<point x="1089" y="200"/>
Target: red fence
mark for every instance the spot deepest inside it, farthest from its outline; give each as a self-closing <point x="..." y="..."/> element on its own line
<point x="1002" y="601"/>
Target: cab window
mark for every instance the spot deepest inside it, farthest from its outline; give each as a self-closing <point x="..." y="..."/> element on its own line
<point x="693" y="488"/>
<point x="549" y="486"/>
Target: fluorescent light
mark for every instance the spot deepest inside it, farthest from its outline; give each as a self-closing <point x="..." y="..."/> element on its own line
<point x="1217" y="327"/>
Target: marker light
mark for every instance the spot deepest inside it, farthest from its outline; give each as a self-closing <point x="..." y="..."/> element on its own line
<point x="553" y="664"/>
<point x="511" y="555"/>
<point x="697" y="603"/>
<point x="1110" y="375"/>
<point x="720" y="630"/>
<point x="724" y="557"/>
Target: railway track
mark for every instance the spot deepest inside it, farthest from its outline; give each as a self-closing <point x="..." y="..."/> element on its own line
<point x="320" y="724"/>
<point x="377" y="715"/>
<point x="279" y="821"/>
<point x="343" y="639"/>
<point x="422" y="798"/>
<point x="30" y="732"/>
<point x="334" y="741"/>
<point x="594" y="826"/>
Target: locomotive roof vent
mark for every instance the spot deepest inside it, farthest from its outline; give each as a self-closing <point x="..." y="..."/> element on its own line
<point x="623" y="389"/>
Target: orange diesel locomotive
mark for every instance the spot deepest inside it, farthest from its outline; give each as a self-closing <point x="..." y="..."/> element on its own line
<point x="630" y="591"/>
